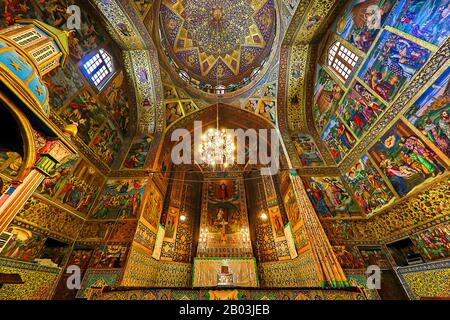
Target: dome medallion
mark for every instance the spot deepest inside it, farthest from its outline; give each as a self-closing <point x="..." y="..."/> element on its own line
<point x="212" y="42"/>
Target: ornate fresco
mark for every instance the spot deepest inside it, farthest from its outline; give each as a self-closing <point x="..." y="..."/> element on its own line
<point x="217" y="43"/>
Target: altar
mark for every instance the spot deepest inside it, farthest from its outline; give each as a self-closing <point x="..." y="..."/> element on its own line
<point x="225" y="272"/>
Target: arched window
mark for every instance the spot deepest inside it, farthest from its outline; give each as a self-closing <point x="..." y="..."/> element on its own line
<point x="99" y="68"/>
<point x="342" y="60"/>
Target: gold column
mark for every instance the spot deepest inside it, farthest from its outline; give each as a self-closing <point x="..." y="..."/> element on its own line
<point x="328" y="267"/>
<point x="52" y="154"/>
<point x="15" y="202"/>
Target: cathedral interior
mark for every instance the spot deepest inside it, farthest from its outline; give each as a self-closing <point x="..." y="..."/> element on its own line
<point x="353" y="96"/>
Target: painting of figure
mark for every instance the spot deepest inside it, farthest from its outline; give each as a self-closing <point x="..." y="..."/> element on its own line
<point x="360" y="109"/>
<point x="349" y="257"/>
<point x="107" y="143"/>
<point x="430" y="113"/>
<point x="277" y="222"/>
<point x="292" y="209"/>
<point x="368" y="186"/>
<point x="153" y="207"/>
<point x="138" y="153"/>
<point x="307" y="150"/>
<point x="109" y="257"/>
<point x="405" y="159"/>
<point x="327" y="94"/>
<point x="362" y="21"/>
<point x="225" y="218"/>
<point x="173" y="112"/>
<point x="171" y="223"/>
<point x="267" y="109"/>
<point x="424" y="19"/>
<point x="338" y="139"/>
<point x="120" y="199"/>
<point x="85" y="112"/>
<point x="392" y="62"/>
<point x="63" y="84"/>
<point x="77" y="189"/>
<point x="116" y="103"/>
<point x="330" y="197"/>
<point x="434" y="243"/>
<point x="24" y="245"/>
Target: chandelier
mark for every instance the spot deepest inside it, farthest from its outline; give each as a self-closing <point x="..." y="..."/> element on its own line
<point x="217" y="148"/>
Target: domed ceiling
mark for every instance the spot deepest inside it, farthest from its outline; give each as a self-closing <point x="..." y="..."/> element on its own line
<point x="214" y="40"/>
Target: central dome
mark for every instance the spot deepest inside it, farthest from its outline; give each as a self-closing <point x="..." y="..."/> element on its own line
<point x="214" y="42"/>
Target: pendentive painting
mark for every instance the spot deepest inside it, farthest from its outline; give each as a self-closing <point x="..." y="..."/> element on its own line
<point x="327" y="94"/>
<point x="430" y="113"/>
<point x="392" y="62"/>
<point x="362" y="21"/>
<point x="120" y="199"/>
<point x="138" y="153"/>
<point x="425" y="19"/>
<point x="330" y="197"/>
<point x="307" y="150"/>
<point x="405" y="159"/>
<point x="368" y="186"/>
<point x="360" y="109"/>
<point x="338" y="139"/>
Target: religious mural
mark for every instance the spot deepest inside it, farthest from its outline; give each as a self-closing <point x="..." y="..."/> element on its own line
<point x="405" y="159"/>
<point x="292" y="209"/>
<point x="153" y="206"/>
<point x="349" y="257"/>
<point x="360" y="109"/>
<point x="327" y="94"/>
<point x="138" y="153"/>
<point x="330" y="197"/>
<point x="277" y="222"/>
<point x="391" y="64"/>
<point x="426" y="20"/>
<point x="368" y="186"/>
<point x="224" y="213"/>
<point x="24" y="244"/>
<point x="430" y="113"/>
<point x="106" y="144"/>
<point x="307" y="150"/>
<point x="116" y="103"/>
<point x="73" y="183"/>
<point x="338" y="139"/>
<point x="434" y="243"/>
<point x="171" y="224"/>
<point x="109" y="257"/>
<point x="173" y="112"/>
<point x="120" y="199"/>
<point x="362" y="21"/>
<point x="374" y="256"/>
